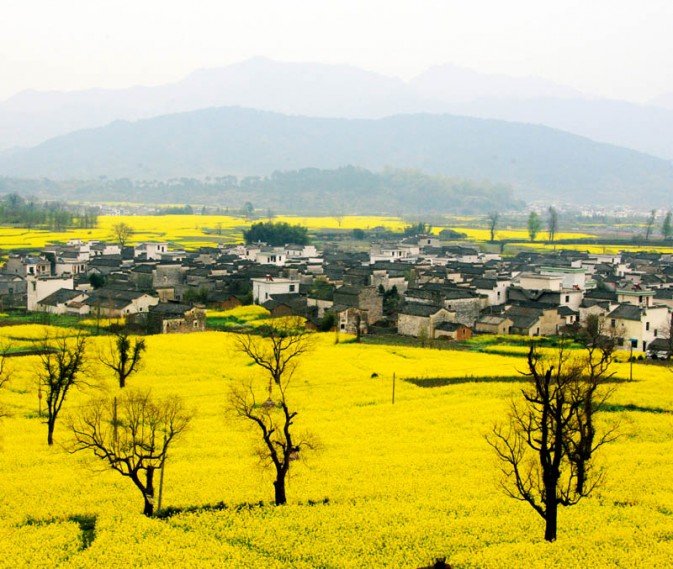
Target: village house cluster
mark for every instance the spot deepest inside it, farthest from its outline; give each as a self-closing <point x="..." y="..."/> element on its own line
<point x="416" y="287"/>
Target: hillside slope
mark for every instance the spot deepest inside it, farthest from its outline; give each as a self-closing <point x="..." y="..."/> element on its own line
<point x="538" y="162"/>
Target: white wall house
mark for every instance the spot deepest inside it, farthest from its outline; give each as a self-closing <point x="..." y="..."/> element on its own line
<point x="152" y="250"/>
<point x="535" y="281"/>
<point x="572" y="277"/>
<point x="263" y="289"/>
<point x="639" y="323"/>
<point x="275" y="256"/>
<point x="41" y="287"/>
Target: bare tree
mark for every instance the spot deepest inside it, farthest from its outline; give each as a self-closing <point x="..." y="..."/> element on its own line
<point x="592" y="393"/>
<point x="649" y="224"/>
<point x="492" y="219"/>
<point x="277" y="352"/>
<point x="277" y="348"/>
<point x="552" y="223"/>
<point x="547" y="445"/>
<point x="280" y="446"/>
<point x="132" y="435"/>
<point x="124" y="356"/>
<point x="122" y="232"/>
<point x="62" y="361"/>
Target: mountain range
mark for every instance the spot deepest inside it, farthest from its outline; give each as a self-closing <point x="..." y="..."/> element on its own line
<point x="543" y="140"/>
<point x="536" y="161"/>
<point x="340" y="91"/>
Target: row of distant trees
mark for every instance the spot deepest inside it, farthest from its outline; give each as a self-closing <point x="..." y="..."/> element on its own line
<point x="56" y="216"/>
<point x="666" y="225"/>
<point x="534" y="224"/>
<point x="308" y="190"/>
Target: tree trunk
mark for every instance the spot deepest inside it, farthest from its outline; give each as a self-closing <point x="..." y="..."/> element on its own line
<point x="551" y="515"/>
<point x="122" y="381"/>
<point x="279" y="487"/>
<point x="148" y="494"/>
<point x="581" y="476"/>
<point x="50" y="431"/>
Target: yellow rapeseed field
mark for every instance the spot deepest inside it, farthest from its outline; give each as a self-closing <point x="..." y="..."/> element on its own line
<point x="485" y="234"/>
<point x="187" y="231"/>
<point x="404" y="482"/>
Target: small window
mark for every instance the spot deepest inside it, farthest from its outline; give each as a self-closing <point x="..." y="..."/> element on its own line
<point x="291" y="288"/>
<point x="567" y="298"/>
<point x="647" y="325"/>
<point x="613" y="323"/>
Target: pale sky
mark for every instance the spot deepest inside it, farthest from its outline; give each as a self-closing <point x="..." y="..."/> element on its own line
<point x="620" y="49"/>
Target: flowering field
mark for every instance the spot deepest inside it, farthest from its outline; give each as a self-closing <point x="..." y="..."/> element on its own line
<point x="392" y="486"/>
<point x="192" y="231"/>
<point x="522" y="234"/>
<point x="186" y="231"/>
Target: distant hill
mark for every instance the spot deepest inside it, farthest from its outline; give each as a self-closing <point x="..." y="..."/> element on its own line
<point x="538" y="162"/>
<point x="341" y="91"/>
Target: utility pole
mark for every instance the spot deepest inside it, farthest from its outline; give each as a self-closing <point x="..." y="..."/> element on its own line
<point x="114" y="422"/>
<point x="161" y="478"/>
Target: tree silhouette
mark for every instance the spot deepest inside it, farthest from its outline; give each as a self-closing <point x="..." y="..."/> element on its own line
<point x="132" y="434"/>
<point x="548" y="443"/>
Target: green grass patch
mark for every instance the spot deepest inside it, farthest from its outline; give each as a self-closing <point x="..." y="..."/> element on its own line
<point x="444" y="381"/>
<point x="617" y="408"/>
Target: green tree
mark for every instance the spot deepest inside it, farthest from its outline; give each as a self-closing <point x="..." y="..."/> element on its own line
<point x="123" y="356"/>
<point x="248" y="210"/>
<point x="276" y="234"/>
<point x="534" y="225"/>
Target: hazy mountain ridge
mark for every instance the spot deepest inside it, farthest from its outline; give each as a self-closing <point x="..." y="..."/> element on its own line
<point x="341" y="91"/>
<point x="536" y="161"/>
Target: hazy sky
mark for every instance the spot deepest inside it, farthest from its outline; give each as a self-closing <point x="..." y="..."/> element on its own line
<point x="614" y="48"/>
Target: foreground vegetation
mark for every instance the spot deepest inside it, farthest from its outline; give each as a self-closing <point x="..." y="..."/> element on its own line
<point x="393" y="485"/>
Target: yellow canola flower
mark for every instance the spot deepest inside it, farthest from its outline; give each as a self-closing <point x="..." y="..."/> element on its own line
<point x="406" y="482"/>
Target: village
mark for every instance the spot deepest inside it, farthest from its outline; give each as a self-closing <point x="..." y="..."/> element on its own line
<point x="415" y="287"/>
